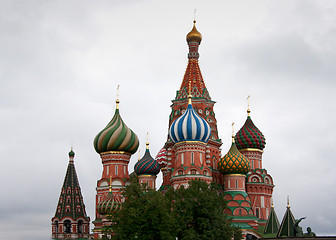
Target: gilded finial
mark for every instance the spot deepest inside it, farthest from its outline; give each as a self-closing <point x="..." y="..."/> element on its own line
<point x="110" y="190"/>
<point x="233" y="132"/>
<point x="147" y="143"/>
<point x="272" y="202"/>
<point x="189" y="98"/>
<point x="288" y="201"/>
<point x="117" y="101"/>
<point x="248" y="105"/>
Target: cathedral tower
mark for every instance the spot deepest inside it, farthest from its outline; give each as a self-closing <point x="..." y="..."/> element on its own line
<point x="234" y="167"/>
<point x="70" y="220"/>
<point x="193" y="84"/>
<point x="147" y="168"/>
<point x="259" y="184"/>
<point x="115" y="144"/>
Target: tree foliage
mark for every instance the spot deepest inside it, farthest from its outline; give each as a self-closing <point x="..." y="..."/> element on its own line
<point x="192" y="213"/>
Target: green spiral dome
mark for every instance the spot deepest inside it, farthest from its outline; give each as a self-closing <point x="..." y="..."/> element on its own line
<point x="234" y="162"/>
<point x="116" y="136"/>
<point x="109" y="205"/>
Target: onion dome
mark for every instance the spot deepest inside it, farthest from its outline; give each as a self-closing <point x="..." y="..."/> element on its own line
<point x="194" y="35"/>
<point x="234" y="162"/>
<point x="116" y="136"/>
<point x="161" y="157"/>
<point x="109" y="205"/>
<point x="249" y="136"/>
<point x="189" y="127"/>
<point x="147" y="165"/>
<point x="71" y="153"/>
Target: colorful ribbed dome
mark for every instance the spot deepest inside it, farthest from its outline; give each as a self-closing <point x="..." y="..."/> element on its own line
<point x="189" y="127"/>
<point x="234" y="162"/>
<point x="116" y="136"/>
<point x="249" y="136"/>
<point x="109" y="205"/>
<point x="194" y="35"/>
<point x="161" y="157"/>
<point x="147" y="165"/>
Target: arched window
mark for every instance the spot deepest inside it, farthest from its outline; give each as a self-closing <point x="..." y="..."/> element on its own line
<point x="80" y="226"/>
<point x="67" y="226"/>
<point x="240" y="212"/>
<point x="180" y="172"/>
<point x="56" y="226"/>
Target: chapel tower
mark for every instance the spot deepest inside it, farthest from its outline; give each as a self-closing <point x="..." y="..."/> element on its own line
<point x="147" y="168"/>
<point x="250" y="142"/>
<point x="234" y="166"/>
<point x="70" y="220"/>
<point x="202" y="104"/>
<point x="115" y="145"/>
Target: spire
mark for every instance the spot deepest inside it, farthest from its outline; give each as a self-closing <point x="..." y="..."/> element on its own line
<point x="193" y="81"/>
<point x="272" y="224"/>
<point x="71" y="202"/>
<point x="117" y="101"/>
<point x="147" y="143"/>
<point x="288" y="224"/>
<point x="233" y="135"/>
<point x="248" y="105"/>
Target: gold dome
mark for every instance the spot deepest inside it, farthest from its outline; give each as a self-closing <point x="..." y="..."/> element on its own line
<point x="194" y="35"/>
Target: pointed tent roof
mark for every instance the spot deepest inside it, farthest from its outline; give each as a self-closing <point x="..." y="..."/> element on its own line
<point x="193" y="82"/>
<point x="71" y="202"/>
<point x="287" y="225"/>
<point x="272" y="224"/>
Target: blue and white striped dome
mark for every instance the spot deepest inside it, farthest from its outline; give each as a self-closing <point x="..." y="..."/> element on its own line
<point x="189" y="127"/>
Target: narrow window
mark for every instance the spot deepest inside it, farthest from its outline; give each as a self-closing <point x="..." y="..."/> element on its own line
<point x="240" y="212"/>
<point x="116" y="169"/>
<point x="229" y="184"/>
<point x="192" y="158"/>
<point x="236" y="183"/>
<point x="124" y="169"/>
<point x="182" y="158"/>
<point x="262" y="201"/>
<point x="252" y="164"/>
<point x="257" y="212"/>
<point x="108" y="170"/>
<point x="201" y="160"/>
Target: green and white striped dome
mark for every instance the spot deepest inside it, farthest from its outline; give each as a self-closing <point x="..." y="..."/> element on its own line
<point x="116" y="136"/>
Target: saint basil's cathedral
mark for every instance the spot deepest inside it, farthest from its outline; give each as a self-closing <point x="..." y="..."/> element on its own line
<point x="192" y="151"/>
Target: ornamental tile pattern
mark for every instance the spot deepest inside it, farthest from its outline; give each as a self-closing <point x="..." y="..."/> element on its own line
<point x="249" y="136"/>
<point x="234" y="162"/>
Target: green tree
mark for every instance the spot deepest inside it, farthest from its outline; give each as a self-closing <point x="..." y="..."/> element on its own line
<point x="193" y="213"/>
<point x="145" y="215"/>
<point x="199" y="212"/>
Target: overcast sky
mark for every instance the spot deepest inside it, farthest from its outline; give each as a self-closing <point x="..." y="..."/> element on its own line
<point x="61" y="62"/>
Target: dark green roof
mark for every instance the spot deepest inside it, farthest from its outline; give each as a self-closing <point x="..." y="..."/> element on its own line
<point x="287" y="225"/>
<point x="71" y="196"/>
<point x="272" y="225"/>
